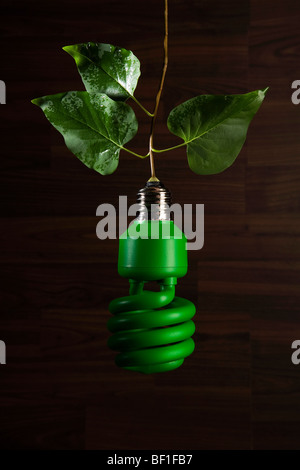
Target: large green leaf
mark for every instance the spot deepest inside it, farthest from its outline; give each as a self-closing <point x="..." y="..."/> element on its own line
<point x="214" y="127"/>
<point x="94" y="127"/>
<point x="106" y="69"/>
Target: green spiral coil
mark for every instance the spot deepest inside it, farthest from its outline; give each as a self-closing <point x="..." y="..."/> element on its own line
<point x="151" y="340"/>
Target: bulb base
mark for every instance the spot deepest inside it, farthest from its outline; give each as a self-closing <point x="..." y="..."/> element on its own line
<point x="154" y="200"/>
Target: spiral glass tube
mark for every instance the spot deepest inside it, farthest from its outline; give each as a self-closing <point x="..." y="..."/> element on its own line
<point x="152" y="330"/>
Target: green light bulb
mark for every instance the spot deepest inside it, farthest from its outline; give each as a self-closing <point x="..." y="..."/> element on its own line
<point x="152" y="330"/>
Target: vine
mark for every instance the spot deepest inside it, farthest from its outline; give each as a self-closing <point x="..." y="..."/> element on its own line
<point x="97" y="123"/>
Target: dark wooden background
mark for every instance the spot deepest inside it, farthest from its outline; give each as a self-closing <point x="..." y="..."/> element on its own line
<point x="60" y="388"/>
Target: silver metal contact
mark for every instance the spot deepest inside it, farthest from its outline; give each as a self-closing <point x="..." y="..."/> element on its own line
<point x="154" y="200"/>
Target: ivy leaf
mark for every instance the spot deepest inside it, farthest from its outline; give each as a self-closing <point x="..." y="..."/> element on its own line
<point x="94" y="127"/>
<point x="106" y="69"/>
<point x="214" y="127"/>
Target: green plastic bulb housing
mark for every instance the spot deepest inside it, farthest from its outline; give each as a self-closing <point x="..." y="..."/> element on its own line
<point x="152" y="250"/>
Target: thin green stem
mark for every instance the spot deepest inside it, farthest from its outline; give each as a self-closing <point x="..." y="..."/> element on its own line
<point x="170" y="148"/>
<point x="141" y="106"/>
<point x="158" y="96"/>
<point x="133" y="153"/>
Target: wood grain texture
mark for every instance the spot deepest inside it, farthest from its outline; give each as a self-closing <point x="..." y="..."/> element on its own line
<point x="60" y="388"/>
